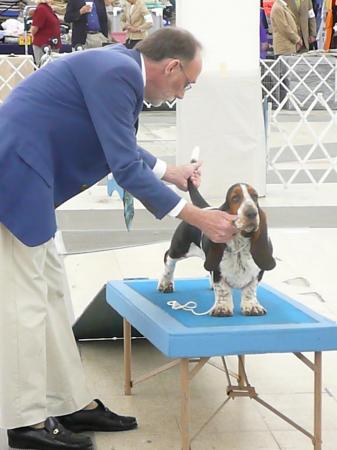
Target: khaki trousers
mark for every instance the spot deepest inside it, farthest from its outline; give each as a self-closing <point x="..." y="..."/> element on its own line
<point x="96" y="40"/>
<point x="41" y="373"/>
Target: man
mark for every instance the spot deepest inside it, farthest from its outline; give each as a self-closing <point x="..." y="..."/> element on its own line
<point x="305" y="20"/>
<point x="89" y="23"/>
<point x="286" y="39"/>
<point x="63" y="129"/>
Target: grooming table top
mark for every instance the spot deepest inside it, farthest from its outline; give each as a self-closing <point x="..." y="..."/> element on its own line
<point x="287" y="327"/>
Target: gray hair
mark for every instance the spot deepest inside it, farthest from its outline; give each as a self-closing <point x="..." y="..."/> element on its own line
<point x="169" y="43"/>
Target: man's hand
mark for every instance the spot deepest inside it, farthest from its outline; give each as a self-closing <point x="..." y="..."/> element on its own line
<point x="217" y="225"/>
<point x="299" y="44"/>
<point x="312" y="39"/>
<point x="85" y="9"/>
<point x="179" y="175"/>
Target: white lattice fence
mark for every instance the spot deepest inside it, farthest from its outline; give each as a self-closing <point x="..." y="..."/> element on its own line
<point x="300" y="92"/>
<point x="14" y="69"/>
<point x="300" y="97"/>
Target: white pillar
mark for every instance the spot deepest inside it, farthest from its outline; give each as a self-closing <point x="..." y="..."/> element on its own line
<point x="222" y="114"/>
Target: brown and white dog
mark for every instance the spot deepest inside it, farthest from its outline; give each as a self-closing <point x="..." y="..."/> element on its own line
<point x="239" y="263"/>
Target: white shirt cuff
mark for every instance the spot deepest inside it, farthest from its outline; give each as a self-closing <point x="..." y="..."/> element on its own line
<point x="178" y="208"/>
<point x="160" y="168"/>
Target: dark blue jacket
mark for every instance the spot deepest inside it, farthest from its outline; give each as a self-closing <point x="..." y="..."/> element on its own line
<point x="63" y="129"/>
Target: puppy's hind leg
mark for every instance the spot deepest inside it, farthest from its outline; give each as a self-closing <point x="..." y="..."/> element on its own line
<point x="166" y="283"/>
<point x="250" y="305"/>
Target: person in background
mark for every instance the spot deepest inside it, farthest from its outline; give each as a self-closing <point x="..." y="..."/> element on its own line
<point x="317" y="7"/>
<point x="305" y="20"/>
<point x="263" y="33"/>
<point x="136" y="20"/>
<point x="45" y="29"/>
<point x="89" y="23"/>
<point x="173" y="18"/>
<point x="286" y="38"/>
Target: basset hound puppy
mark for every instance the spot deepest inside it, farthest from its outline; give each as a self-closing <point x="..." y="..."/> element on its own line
<point x="239" y="263"/>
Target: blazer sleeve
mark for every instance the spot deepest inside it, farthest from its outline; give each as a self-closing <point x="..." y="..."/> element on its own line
<point x="146" y="25"/>
<point x="283" y="26"/>
<point x="312" y="21"/>
<point x="72" y="13"/>
<point x="147" y="157"/>
<point x="113" y="95"/>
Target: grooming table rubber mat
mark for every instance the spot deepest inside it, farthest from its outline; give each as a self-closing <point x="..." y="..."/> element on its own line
<point x="288" y="326"/>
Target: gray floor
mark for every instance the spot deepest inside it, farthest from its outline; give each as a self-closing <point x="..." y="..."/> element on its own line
<point x="304" y="235"/>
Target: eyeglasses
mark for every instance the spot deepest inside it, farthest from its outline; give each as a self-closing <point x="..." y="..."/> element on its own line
<point x="188" y="84"/>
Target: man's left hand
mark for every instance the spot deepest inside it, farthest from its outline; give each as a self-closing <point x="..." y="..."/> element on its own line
<point x="179" y="175"/>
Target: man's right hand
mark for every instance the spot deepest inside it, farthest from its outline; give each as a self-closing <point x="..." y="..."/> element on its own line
<point x="217" y="225"/>
<point x="85" y="9"/>
<point x="178" y="175"/>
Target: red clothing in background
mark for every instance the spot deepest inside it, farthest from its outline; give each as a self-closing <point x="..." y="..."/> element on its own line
<point x="48" y="26"/>
<point x="267" y="6"/>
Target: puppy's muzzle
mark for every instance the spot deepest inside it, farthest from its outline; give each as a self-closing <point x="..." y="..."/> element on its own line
<point x="248" y="218"/>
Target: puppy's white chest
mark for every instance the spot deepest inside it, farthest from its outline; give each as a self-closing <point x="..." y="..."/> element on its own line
<point x="237" y="265"/>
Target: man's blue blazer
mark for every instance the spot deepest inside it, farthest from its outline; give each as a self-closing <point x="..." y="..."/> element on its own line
<point x="64" y="128"/>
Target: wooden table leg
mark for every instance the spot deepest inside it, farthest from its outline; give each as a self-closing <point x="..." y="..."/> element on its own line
<point x="318" y="401"/>
<point x="241" y="371"/>
<point x="127" y="357"/>
<point x="185" y="403"/>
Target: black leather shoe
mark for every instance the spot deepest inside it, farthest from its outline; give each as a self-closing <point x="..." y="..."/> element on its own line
<point x="98" y="419"/>
<point x="52" y="437"/>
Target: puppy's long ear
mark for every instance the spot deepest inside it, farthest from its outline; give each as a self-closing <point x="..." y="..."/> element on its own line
<point x="261" y="246"/>
<point x="214" y="256"/>
<point x="224" y="207"/>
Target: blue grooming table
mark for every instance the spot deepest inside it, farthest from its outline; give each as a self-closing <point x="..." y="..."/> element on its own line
<point x="287" y="327"/>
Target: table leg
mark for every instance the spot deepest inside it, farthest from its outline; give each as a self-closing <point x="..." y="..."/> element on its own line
<point x="318" y="401"/>
<point x="241" y="371"/>
<point x="127" y="357"/>
<point x="185" y="400"/>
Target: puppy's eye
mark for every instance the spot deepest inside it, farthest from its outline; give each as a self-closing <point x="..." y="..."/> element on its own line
<point x="254" y="197"/>
<point x="236" y="199"/>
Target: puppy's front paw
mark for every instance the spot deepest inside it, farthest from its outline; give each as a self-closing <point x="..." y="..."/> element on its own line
<point x="222" y="309"/>
<point x="253" y="309"/>
<point x="166" y="287"/>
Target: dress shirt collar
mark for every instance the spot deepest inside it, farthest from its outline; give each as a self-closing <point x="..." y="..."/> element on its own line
<point x="143" y="68"/>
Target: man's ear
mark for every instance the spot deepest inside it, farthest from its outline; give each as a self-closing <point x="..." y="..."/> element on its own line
<point x="171" y="66"/>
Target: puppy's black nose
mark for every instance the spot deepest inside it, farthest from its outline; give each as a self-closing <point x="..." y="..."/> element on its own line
<point x="251" y="214"/>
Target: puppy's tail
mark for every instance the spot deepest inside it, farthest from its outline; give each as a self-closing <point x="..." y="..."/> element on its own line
<point x="196" y="197"/>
